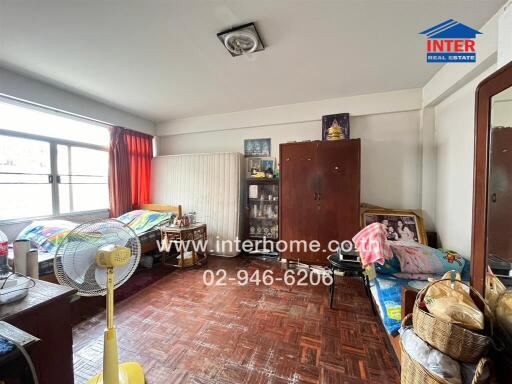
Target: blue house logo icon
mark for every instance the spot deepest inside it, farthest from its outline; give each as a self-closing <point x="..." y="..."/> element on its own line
<point x="451" y="41"/>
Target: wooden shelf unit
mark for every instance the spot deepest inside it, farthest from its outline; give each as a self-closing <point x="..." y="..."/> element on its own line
<point x="262" y="212"/>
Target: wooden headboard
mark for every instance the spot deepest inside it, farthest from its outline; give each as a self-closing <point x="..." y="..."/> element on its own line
<point x="163" y="208"/>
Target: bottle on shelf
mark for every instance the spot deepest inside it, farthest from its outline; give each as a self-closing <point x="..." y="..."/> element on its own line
<point x="4" y="253"/>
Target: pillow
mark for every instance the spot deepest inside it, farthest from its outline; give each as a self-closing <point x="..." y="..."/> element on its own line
<point x="417" y="276"/>
<point x="390" y="266"/>
<point x="419" y="258"/>
<point x="129" y="216"/>
<point x="47" y="235"/>
<point x="149" y="220"/>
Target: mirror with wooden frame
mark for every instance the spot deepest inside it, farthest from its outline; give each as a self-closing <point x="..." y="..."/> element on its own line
<point x="492" y="207"/>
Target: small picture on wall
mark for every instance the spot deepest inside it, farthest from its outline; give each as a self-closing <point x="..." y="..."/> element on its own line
<point x="336" y="127"/>
<point x="400" y="225"/>
<point x="254" y="164"/>
<point x="257" y="147"/>
<point x="267" y="164"/>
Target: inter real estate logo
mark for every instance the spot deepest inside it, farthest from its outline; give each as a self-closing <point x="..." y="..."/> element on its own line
<point x="451" y="42"/>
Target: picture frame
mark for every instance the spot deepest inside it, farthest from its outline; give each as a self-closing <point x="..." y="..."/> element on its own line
<point x="401" y="224"/>
<point x="266" y="164"/>
<point x="253" y="163"/>
<point x="338" y="120"/>
<point x="257" y="147"/>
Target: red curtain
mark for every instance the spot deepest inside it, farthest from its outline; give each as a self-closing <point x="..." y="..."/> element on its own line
<point x="119" y="185"/>
<point x="140" y="150"/>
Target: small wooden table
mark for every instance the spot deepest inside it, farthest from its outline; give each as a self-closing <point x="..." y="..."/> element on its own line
<point x="187" y="239"/>
<point x="349" y="268"/>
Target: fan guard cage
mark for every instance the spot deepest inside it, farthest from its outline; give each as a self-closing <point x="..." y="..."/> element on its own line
<point x="84" y="241"/>
<point x="241" y="40"/>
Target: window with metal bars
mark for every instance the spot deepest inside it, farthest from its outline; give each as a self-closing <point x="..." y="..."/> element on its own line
<point x="50" y="163"/>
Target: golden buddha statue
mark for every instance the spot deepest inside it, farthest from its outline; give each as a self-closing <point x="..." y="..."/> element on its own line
<point x="334" y="132"/>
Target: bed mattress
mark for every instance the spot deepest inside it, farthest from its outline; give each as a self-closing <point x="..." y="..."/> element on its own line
<point x="46" y="258"/>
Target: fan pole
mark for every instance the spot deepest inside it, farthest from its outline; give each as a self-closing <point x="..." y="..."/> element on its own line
<point x="110" y="358"/>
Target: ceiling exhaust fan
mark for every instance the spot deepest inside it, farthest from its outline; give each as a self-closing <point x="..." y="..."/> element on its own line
<point x="241" y="40"/>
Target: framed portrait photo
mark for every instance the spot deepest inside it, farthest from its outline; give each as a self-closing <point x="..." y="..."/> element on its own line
<point x="253" y="165"/>
<point x="400" y="225"/>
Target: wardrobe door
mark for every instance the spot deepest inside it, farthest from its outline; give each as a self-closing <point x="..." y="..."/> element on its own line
<point x="340" y="170"/>
<point x="298" y="206"/>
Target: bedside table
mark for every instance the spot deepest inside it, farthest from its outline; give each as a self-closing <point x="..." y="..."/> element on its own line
<point x="186" y="239"/>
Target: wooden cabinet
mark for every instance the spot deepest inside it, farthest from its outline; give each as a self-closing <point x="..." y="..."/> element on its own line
<point x="46" y="314"/>
<point x="319" y="195"/>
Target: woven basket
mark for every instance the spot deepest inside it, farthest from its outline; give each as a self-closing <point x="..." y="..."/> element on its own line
<point x="415" y="373"/>
<point x="457" y="342"/>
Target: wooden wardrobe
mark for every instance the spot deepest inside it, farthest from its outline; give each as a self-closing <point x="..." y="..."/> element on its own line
<point x="319" y="195"/>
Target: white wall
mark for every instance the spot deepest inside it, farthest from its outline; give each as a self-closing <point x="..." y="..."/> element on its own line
<point x="390" y="151"/>
<point x="375" y="103"/>
<point x="449" y="178"/>
<point x="453" y="76"/>
<point x="390" y="159"/>
<point x="454" y="120"/>
<point x="421" y="145"/>
<point x="232" y="140"/>
<point x="505" y="36"/>
<point x="428" y="167"/>
<point x="38" y="92"/>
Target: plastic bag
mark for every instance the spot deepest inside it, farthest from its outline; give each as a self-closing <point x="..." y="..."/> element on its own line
<point x="449" y="301"/>
<point x="468" y="372"/>
<point x="504" y="315"/>
<point x="493" y="289"/>
<point x="431" y="359"/>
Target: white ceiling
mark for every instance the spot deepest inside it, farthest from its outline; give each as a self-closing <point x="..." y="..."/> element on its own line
<point x="162" y="60"/>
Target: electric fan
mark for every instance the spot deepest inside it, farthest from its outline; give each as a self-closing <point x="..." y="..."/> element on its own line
<point x="95" y="258"/>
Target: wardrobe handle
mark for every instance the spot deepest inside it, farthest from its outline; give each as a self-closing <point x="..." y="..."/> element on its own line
<point x="315" y="196"/>
<point x="319" y="196"/>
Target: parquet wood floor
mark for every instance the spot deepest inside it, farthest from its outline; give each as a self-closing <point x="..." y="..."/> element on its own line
<point x="182" y="331"/>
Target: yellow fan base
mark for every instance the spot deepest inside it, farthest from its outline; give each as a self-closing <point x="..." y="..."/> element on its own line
<point x="129" y="373"/>
<point x="113" y="372"/>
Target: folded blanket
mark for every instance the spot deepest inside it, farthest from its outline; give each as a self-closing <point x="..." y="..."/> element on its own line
<point x="419" y="258"/>
<point x="130" y="216"/>
<point x="372" y="244"/>
<point x="148" y="220"/>
<point x="47" y="234"/>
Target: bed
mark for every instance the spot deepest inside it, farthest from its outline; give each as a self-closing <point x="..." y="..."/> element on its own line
<point x="46" y="235"/>
<point x="394" y="291"/>
<point x="387" y="292"/>
<point x="148" y="239"/>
